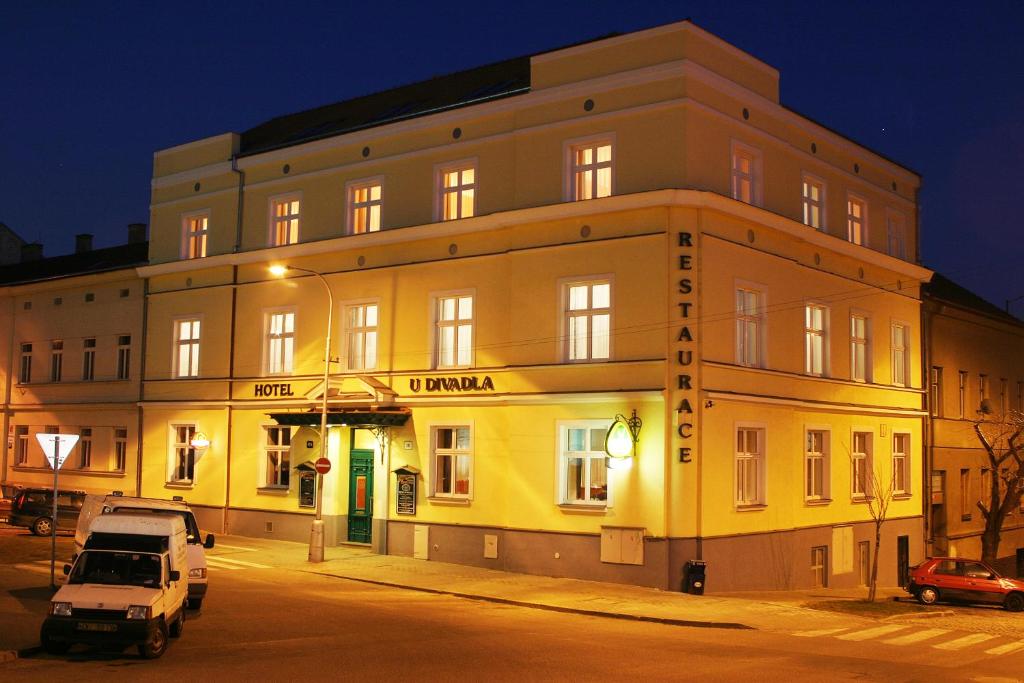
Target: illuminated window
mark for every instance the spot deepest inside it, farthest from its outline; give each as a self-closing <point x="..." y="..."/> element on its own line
<point x="364" y="207"/>
<point x="814" y="202"/>
<point x="749" y="327"/>
<point x="856" y="219"/>
<point x="816" y="465"/>
<point x="21" y="433"/>
<point x="591" y="170"/>
<point x="280" y="343"/>
<point x="454" y="342"/>
<point x="85" y="448"/>
<point x="859" y="349"/>
<point x="361" y="331"/>
<point x="186" y="342"/>
<point x="25" y="373"/>
<point x="935" y="391"/>
<point x="457" y="197"/>
<point x="182" y="463"/>
<point x="89" y="359"/>
<point x="276" y="447"/>
<point x="451" y="462"/>
<point x="120" y="448"/>
<point x="124" y="355"/>
<point x="815" y="339"/>
<point x="900" y="354"/>
<point x="862" y="464"/>
<point x="901" y="463"/>
<point x="897" y="235"/>
<point x="56" y="360"/>
<point x="746" y="174"/>
<point x="284" y="221"/>
<point x="194" y="229"/>
<point x="587" y="320"/>
<point x="582" y="463"/>
<point x="750" y="467"/>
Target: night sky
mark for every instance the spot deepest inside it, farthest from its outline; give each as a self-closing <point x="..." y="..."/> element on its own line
<point x="89" y="90"/>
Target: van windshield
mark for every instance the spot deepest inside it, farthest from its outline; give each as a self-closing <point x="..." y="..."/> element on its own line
<point x="115" y="568"/>
<point x="191" y="528"/>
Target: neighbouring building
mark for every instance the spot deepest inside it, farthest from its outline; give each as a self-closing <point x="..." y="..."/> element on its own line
<point x="509" y="258"/>
<point x="975" y="357"/>
<point x="10" y="246"/>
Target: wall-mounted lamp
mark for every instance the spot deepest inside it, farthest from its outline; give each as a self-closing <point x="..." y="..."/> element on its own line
<point x="709" y="403"/>
<point x="622" y="436"/>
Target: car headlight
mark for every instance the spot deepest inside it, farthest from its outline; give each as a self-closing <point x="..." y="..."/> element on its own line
<point x="60" y="609"/>
<point x="197" y="573"/>
<point x="138" y="612"/>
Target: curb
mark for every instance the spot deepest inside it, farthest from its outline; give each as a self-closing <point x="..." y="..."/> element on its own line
<point x="920" y="615"/>
<point x="550" y="608"/>
<point x="7" y="656"/>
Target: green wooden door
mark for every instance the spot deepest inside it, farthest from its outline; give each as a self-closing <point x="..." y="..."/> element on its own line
<point x="360" y="496"/>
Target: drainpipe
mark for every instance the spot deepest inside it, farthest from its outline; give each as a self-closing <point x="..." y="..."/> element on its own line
<point x="7" y="389"/>
<point x="239" y="214"/>
<point x="142" y="396"/>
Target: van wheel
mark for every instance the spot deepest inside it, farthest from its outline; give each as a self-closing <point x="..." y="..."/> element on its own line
<point x="42" y="527"/>
<point x="156" y="644"/>
<point x="195" y="603"/>
<point x="53" y="647"/>
<point x="179" y="624"/>
<point x="1014" y="602"/>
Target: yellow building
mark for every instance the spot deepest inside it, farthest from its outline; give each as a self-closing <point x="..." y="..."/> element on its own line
<point x="509" y="258"/>
<point x="72" y="363"/>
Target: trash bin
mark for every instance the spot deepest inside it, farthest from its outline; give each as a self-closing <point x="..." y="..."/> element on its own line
<point x="693" y="577"/>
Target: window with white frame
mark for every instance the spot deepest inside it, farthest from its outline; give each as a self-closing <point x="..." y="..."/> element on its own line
<point x="859" y="349"/>
<point x="284" y="220"/>
<point x="195" y="229"/>
<point x="900" y="354"/>
<point x="746" y="174"/>
<point x="816" y="465"/>
<point x="963" y="394"/>
<point x="186" y="343"/>
<point x="591" y="170"/>
<point x="457" y="197"/>
<point x="124" y="355"/>
<point x="862" y="463"/>
<point x="280" y="343"/>
<point x="819" y="566"/>
<point x="814" y="202"/>
<point x="749" y="327"/>
<point x="588" y="320"/>
<point x="182" y="464"/>
<point x="361" y="336"/>
<point x="935" y="391"/>
<point x="85" y="448"/>
<point x="25" y="371"/>
<point x="582" y="463"/>
<point x="56" y="360"/>
<point x="451" y="462"/>
<point x="454" y="340"/>
<point x="901" y="463"/>
<point x="365" y="202"/>
<point x="966" y="503"/>
<point x="897" y="235"/>
<point x="750" y="466"/>
<point x="89" y="359"/>
<point x="815" y="339"/>
<point x="276" y="446"/>
<point x="21" y="435"/>
<point x="120" y="448"/>
<point x="856" y="219"/>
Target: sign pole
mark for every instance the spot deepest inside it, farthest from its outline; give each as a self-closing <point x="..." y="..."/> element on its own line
<point x="53" y="520"/>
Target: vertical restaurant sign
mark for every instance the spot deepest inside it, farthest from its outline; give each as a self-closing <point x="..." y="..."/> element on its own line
<point x="405" y="500"/>
<point x="684" y="348"/>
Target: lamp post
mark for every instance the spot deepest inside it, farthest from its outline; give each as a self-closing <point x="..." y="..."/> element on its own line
<point x="316" y="534"/>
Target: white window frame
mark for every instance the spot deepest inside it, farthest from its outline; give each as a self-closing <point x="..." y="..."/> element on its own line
<point x="88" y="359"/>
<point x="281" y="451"/>
<point x="935" y="390"/>
<point x="809" y="203"/>
<point x="274" y="220"/>
<point x="455" y="453"/>
<point x="867" y="460"/>
<point x="896" y="234"/>
<point x="437" y="324"/>
<point x="368" y="205"/>
<point x="269" y="337"/>
<point x="565" y="285"/>
<point x="964" y="379"/>
<point x="758" y="320"/>
<point x="570" y="148"/>
<point x="903" y="459"/>
<point x="56" y="360"/>
<point x="760" y="459"/>
<point x="864" y="342"/>
<point x="172" y="453"/>
<point x="595" y="452"/>
<point x="25" y="364"/>
<point x="120" y="448"/>
<point x="21" y="434"/>
<point x="195" y="344"/>
<point x="441" y="192"/>
<point x="84" y="446"/>
<point x="852" y="220"/>
<point x="899" y="356"/>
<point x="810" y="333"/>
<point x="124" y="356"/>
<point x="816" y="492"/>
<point x="756" y="175"/>
<point x="192" y="237"/>
<point x="364" y="330"/>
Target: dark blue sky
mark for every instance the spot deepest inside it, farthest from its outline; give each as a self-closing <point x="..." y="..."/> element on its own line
<point x="88" y="91"/>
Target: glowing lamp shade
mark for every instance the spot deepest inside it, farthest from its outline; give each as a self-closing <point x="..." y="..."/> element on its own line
<point x="619" y="442"/>
<point x="200" y="441"/>
<point x="278" y="270"/>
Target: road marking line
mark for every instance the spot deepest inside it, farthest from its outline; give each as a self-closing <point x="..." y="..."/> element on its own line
<point x="236" y="547"/>
<point x="871" y="633"/>
<point x="961" y="643"/>
<point x="231" y="560"/>
<point x="213" y="564"/>
<point x="1006" y="649"/>
<point x="917" y="636"/>
<point x="819" y="632"/>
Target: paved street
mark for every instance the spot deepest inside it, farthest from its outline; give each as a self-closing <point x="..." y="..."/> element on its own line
<point x="270" y="616"/>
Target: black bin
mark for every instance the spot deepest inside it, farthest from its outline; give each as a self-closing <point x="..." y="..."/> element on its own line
<point x="693" y="577"/>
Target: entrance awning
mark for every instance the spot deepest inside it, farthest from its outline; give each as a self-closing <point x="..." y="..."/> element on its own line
<point x="350" y="417"/>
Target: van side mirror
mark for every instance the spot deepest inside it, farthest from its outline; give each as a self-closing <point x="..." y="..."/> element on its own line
<point x="67" y="569"/>
<point x="208" y="543"/>
<point x="174" y="575"/>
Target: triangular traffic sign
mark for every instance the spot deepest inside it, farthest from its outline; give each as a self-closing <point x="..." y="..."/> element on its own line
<point x="57" y="446"/>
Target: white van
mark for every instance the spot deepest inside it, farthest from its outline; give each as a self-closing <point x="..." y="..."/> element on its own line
<point x="127" y="586"/>
<point x="95" y="505"/>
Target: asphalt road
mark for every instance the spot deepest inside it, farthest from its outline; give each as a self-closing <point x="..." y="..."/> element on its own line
<point x="261" y="622"/>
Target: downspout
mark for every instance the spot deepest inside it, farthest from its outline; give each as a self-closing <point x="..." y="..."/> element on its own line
<point x="142" y="384"/>
<point x="239" y="212"/>
<point x="928" y="433"/>
<point x="8" y="388"/>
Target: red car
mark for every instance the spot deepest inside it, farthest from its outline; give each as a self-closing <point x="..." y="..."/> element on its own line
<point x="953" y="579"/>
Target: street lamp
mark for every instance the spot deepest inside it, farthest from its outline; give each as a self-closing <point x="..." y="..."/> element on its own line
<point x="316" y="534"/>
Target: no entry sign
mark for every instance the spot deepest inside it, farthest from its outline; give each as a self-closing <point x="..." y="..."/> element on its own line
<point x="323" y="466"/>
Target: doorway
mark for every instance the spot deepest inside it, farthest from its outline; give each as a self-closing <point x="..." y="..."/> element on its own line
<point x="903" y="559"/>
<point x="360" y="496"/>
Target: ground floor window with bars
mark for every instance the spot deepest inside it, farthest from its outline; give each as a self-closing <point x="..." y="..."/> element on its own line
<point x="583" y="469"/>
<point x="276" y="444"/>
<point x="750" y="469"/>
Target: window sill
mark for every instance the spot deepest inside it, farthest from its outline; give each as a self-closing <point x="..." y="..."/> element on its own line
<point x="178" y="485"/>
<point x="901" y="496"/>
<point x="273" y="490"/>
<point x="440" y="500"/>
<point x="965" y="518"/>
<point x="861" y="500"/>
<point x="817" y="502"/>
<point x="94" y="473"/>
<point x="751" y="508"/>
<point x="584" y="507"/>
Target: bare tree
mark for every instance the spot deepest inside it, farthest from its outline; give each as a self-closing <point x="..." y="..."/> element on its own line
<point x="1002" y="438"/>
<point x="879" y="491"/>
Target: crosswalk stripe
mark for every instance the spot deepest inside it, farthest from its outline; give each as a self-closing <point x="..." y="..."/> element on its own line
<point x="231" y="560"/>
<point x="236" y="547"/>
<point x="871" y="633"/>
<point x="917" y="636"/>
<point x="211" y="563"/>
<point x="819" y="632"/>
<point x="961" y="643"/>
<point x="1006" y="648"/>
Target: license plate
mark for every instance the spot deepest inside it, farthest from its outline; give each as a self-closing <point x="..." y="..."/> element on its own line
<point x="88" y="626"/>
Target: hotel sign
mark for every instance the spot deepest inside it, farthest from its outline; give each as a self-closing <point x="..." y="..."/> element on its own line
<point x="451" y="384"/>
<point x="272" y="390"/>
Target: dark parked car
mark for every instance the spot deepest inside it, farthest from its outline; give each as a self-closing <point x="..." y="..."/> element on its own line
<point x="954" y="579"/>
<point x="7" y="494"/>
<point x="33" y="508"/>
